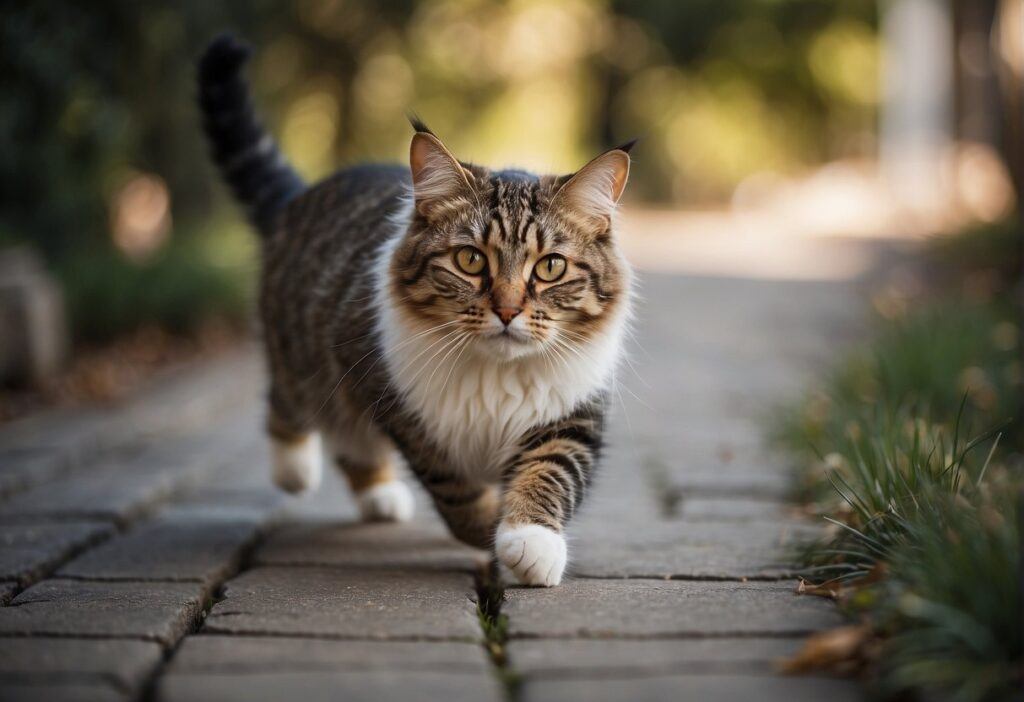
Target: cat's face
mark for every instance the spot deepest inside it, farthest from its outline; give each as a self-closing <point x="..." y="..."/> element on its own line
<point x="509" y="264"/>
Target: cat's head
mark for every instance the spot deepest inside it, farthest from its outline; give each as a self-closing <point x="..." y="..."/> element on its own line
<point x="507" y="262"/>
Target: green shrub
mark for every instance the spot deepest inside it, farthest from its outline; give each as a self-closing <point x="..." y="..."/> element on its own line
<point x="178" y="289"/>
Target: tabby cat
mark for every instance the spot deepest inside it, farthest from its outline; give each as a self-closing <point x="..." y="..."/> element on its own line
<point x="466" y="318"/>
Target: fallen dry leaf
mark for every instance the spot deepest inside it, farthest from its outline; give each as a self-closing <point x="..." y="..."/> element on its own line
<point x="835" y="649"/>
<point x="827" y="589"/>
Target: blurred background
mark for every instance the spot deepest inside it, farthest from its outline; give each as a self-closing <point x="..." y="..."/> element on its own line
<point x="759" y="120"/>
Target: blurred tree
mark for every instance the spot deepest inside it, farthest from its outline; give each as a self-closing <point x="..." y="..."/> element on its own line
<point x="718" y="89"/>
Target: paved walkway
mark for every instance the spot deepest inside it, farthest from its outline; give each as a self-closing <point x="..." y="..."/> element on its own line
<point x="143" y="554"/>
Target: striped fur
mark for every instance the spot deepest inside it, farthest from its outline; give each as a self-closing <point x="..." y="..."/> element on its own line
<point x="248" y="158"/>
<point x="379" y="341"/>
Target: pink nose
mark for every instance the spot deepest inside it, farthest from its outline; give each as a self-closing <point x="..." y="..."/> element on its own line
<point x="507" y="314"/>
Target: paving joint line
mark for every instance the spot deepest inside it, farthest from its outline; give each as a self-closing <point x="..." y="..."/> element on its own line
<point x="490" y="593"/>
<point x="212" y="594"/>
<point x="668" y="636"/>
<point x="695" y="578"/>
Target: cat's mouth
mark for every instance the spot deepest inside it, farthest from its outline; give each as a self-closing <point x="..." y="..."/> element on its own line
<point x="510" y="342"/>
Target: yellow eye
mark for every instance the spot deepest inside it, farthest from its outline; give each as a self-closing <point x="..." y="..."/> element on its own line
<point x="550" y="268"/>
<point x="470" y="260"/>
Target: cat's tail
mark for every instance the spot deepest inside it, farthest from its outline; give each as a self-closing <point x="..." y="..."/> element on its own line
<point x="247" y="156"/>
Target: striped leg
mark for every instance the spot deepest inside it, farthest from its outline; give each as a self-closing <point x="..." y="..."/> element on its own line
<point x="543" y="488"/>
<point x="469" y="509"/>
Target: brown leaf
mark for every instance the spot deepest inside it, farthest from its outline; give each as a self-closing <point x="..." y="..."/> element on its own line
<point x="828" y="589"/>
<point x="829" y="650"/>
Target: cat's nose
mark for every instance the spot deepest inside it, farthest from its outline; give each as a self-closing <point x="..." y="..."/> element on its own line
<point x="507" y="314"/>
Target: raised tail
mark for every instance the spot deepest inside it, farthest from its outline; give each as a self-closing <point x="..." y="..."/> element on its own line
<point x="247" y="156"/>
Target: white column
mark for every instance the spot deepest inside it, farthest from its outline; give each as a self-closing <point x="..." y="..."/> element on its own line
<point x="917" y="110"/>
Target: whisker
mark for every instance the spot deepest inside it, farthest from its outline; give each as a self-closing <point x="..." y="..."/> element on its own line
<point x="414" y="336"/>
<point x="455" y="363"/>
<point x="408" y="365"/>
<point x="444" y="358"/>
<point x="446" y="336"/>
<point x="625" y="357"/>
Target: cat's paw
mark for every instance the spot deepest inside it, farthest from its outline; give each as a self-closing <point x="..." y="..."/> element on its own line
<point x="534" y="553"/>
<point x="386" y="502"/>
<point x="298" y="465"/>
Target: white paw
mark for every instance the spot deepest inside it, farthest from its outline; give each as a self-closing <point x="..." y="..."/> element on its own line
<point x="297" y="466"/>
<point x="534" y="553"/>
<point x="386" y="502"/>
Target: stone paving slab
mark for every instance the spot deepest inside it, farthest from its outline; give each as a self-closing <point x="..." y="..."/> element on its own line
<point x="181" y="399"/>
<point x="118" y="494"/>
<point x="248" y="467"/>
<point x="731" y="509"/>
<point x="720" y="688"/>
<point x="690" y="474"/>
<point x="157" y="611"/>
<point x="718" y="483"/>
<point x="672" y="471"/>
<point x="69" y="432"/>
<point x="126" y="485"/>
<point x="664" y="608"/>
<point x="21" y="468"/>
<point x="340" y="603"/>
<point x="350" y="686"/>
<point x="332" y="500"/>
<point x="68" y="691"/>
<point x="601" y="658"/>
<point x="253" y="654"/>
<point x="30" y="551"/>
<point x="421" y="544"/>
<point x="42" y="660"/>
<point x="665" y="549"/>
<point x="243" y="505"/>
<point x="204" y="550"/>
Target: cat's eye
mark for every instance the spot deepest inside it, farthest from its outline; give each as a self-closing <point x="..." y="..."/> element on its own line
<point x="470" y="260"/>
<point x="550" y="268"/>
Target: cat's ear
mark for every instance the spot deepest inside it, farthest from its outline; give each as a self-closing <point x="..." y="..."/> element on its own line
<point x="438" y="180"/>
<point x="593" y="191"/>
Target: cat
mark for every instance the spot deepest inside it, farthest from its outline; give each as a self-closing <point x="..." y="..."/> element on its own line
<point x="467" y="319"/>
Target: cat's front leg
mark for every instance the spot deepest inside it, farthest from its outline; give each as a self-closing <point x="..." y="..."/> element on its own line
<point x="543" y="488"/>
<point x="470" y="510"/>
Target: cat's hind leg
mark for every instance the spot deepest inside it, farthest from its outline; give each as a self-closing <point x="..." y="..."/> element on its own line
<point x="297" y="455"/>
<point x="367" y="459"/>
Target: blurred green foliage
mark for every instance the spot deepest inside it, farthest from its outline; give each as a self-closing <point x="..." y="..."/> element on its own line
<point x="923" y="364"/>
<point x="188" y="281"/>
<point x="717" y="90"/>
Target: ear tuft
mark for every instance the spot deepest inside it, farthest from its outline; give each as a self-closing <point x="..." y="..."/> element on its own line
<point x="419" y="125"/>
<point x="628" y="146"/>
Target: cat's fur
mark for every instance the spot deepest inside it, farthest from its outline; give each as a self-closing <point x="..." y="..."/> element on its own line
<point x="491" y="386"/>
